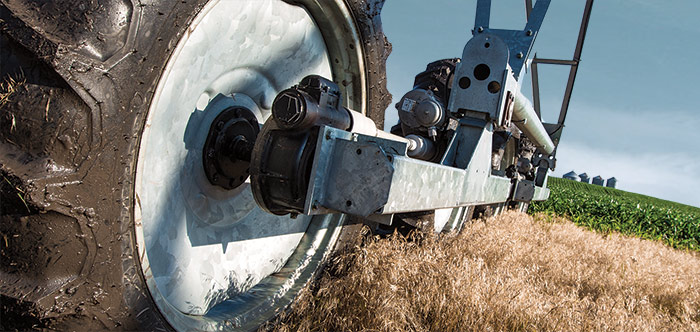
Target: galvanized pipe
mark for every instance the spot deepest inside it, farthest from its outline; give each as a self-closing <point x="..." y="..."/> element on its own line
<point x="526" y="119"/>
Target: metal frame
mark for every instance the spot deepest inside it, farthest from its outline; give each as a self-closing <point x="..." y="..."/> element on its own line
<point x="372" y="175"/>
<point x="572" y="73"/>
<point x="519" y="41"/>
<point x="365" y="175"/>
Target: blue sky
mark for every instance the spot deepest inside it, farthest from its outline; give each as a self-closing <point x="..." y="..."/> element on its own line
<point x="634" y="112"/>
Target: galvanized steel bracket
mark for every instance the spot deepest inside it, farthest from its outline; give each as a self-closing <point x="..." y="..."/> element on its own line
<point x="352" y="173"/>
<point x="359" y="179"/>
<point x="519" y="41"/>
<point x="523" y="191"/>
<point x="371" y="176"/>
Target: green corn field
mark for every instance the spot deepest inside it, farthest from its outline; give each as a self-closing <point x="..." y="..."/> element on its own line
<point x="611" y="210"/>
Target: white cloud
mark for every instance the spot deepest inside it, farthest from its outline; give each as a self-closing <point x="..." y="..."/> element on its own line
<point x="670" y="176"/>
<point x="636" y="129"/>
<point x="649" y="151"/>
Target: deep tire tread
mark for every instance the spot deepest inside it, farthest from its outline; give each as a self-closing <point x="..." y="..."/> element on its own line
<point x="73" y="161"/>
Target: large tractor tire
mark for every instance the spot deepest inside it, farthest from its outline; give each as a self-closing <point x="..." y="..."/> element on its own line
<point x="108" y="221"/>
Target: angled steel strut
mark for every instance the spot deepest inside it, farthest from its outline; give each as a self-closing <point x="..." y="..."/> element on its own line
<point x="466" y="136"/>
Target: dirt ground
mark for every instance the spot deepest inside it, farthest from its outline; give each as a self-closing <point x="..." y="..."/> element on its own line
<point x="509" y="273"/>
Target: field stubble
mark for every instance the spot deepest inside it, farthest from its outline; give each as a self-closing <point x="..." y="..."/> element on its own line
<point x="512" y="272"/>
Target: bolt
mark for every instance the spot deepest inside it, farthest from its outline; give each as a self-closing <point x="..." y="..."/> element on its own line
<point x="520" y="55"/>
<point x="432" y="132"/>
<point x="241" y="148"/>
<point x="328" y="135"/>
<point x="528" y="32"/>
<point x="288" y="109"/>
<point x="480" y="29"/>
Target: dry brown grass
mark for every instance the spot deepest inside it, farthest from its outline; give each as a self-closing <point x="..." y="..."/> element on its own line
<point x="509" y="273"/>
<point x="9" y="86"/>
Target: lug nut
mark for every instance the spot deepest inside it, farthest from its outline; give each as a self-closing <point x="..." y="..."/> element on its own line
<point x="288" y="109"/>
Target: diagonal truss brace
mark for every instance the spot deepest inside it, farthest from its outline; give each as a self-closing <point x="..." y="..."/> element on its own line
<point x="556" y="128"/>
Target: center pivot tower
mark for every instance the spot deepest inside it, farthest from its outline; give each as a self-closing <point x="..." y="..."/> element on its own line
<point x="467" y="136"/>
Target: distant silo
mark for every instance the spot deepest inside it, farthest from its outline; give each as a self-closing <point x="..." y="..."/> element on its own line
<point x="612" y="182"/>
<point x="571" y="176"/>
<point x="598" y="181"/>
<point x="584" y="178"/>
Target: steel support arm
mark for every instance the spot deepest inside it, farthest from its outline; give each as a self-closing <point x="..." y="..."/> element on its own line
<point x="363" y="175"/>
<point x="526" y="119"/>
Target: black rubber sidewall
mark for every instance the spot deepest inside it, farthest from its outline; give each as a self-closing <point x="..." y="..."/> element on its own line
<point x="110" y="292"/>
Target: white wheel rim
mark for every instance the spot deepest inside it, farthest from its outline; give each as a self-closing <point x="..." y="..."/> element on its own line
<point x="211" y="258"/>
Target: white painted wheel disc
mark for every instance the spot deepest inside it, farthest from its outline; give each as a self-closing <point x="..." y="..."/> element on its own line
<point x="212" y="259"/>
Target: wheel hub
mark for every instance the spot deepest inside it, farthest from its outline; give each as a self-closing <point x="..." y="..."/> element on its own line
<point x="227" y="150"/>
<point x="211" y="258"/>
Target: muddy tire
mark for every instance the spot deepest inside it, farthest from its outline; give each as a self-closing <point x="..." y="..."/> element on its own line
<point x="79" y="80"/>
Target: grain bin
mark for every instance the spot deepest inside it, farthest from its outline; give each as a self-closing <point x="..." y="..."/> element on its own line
<point x="571" y="176"/>
<point x="598" y="180"/>
<point x="584" y="178"/>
